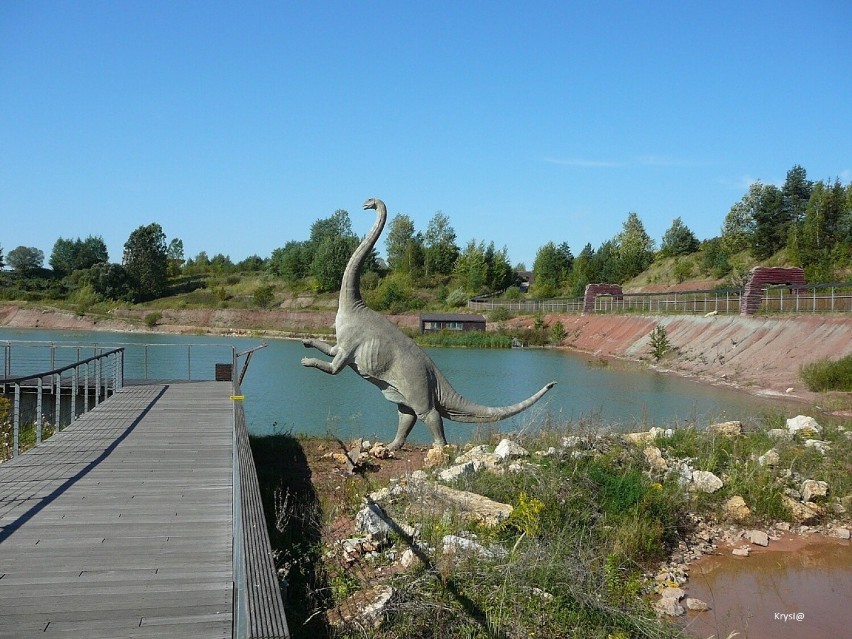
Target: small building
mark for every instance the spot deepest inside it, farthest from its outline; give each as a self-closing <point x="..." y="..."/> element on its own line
<point x="434" y="322"/>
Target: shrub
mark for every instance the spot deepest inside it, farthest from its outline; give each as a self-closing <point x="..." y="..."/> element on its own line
<point x="827" y="374"/>
<point x="264" y="295"/>
<point x="457" y="297"/>
<point x="557" y="333"/>
<point x="499" y="314"/>
<point x="151" y="319"/>
<point x="660" y="344"/>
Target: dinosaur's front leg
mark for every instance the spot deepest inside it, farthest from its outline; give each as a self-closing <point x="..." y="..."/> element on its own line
<point x="321" y="346"/>
<point x="341" y="359"/>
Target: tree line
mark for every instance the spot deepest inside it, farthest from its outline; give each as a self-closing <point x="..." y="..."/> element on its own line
<point x="810" y="221"/>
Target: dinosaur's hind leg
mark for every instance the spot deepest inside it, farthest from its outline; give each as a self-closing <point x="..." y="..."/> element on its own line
<point x="407" y="418"/>
<point x="436" y="426"/>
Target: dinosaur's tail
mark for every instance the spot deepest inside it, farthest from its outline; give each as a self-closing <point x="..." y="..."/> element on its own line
<point x="455" y="407"/>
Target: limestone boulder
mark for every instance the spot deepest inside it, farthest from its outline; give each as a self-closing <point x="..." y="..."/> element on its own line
<point x="735" y="509"/>
<point x="654" y="457"/>
<point x="726" y="429"/>
<point x="507" y="449"/>
<point x="812" y="489"/>
<point x="801" y="513"/>
<point x="803" y="425"/>
<point x="705" y="482"/>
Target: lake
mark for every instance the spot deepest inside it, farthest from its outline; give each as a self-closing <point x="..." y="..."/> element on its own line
<point x="281" y="395"/>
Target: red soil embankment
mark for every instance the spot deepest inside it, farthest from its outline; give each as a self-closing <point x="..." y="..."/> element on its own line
<point x="762" y="354"/>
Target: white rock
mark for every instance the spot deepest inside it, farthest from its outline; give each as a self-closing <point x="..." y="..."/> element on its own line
<point x="842" y="533"/>
<point x="507" y="448"/>
<point x="419" y="475"/>
<point x="705" y="481"/>
<point x="654" y="457"/>
<point x="821" y="446"/>
<point x="812" y="488"/>
<point x="741" y="552"/>
<point x="454" y="543"/>
<point x="696" y="604"/>
<point x="758" y="537"/>
<point x="372" y="522"/>
<point x="460" y="470"/>
<point x="669" y="606"/>
<point x="726" y="429"/>
<point x="676" y="593"/>
<point x="803" y="424"/>
<point x="769" y="458"/>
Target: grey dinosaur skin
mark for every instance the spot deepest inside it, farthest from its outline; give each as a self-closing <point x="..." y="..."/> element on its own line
<point x="382" y="354"/>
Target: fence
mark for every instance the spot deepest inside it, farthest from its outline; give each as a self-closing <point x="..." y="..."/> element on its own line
<point x="813" y="298"/>
<point x="36" y="405"/>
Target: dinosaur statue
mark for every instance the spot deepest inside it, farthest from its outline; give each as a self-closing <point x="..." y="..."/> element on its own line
<point x="382" y="354"/>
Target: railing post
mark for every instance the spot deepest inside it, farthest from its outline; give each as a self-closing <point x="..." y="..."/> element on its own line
<point x="16" y="420"/>
<point x="74" y="390"/>
<point x="86" y="389"/>
<point x="38" y="410"/>
<point x="58" y="415"/>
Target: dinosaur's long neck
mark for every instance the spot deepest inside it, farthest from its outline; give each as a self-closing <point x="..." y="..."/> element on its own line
<point x="350" y="287"/>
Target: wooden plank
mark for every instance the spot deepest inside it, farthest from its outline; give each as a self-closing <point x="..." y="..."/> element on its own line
<point x="120" y="525"/>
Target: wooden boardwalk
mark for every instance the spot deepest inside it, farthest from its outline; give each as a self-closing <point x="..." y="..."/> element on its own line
<point x="121" y="525"/>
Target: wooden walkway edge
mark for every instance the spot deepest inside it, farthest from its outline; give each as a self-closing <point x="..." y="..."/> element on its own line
<point x="121" y="524"/>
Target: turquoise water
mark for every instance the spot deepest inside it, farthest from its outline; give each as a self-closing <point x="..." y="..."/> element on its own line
<point x="281" y="395"/>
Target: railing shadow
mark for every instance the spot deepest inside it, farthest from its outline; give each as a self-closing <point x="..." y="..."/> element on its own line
<point x="294" y="520"/>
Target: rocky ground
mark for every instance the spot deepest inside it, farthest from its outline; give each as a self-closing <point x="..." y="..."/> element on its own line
<point x="363" y="545"/>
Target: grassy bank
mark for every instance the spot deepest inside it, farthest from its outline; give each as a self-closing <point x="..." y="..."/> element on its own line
<point x="594" y="516"/>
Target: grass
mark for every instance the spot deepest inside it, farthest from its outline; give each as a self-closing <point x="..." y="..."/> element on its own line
<point x="588" y="525"/>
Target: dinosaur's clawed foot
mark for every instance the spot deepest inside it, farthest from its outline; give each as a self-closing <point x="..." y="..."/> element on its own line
<point x="307" y="343"/>
<point x="395" y="445"/>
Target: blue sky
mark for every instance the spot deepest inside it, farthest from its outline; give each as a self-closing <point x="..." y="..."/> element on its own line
<point x="236" y="125"/>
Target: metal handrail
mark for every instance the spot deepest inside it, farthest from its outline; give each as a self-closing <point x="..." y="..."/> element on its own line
<point x="51" y="382"/>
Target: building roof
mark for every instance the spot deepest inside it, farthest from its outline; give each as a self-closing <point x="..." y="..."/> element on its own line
<point x="451" y="317"/>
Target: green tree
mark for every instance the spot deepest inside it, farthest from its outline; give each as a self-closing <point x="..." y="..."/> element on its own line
<point x="175" y="254"/>
<point x="738" y="226"/>
<point x="292" y="262"/>
<point x="2" y="262"/>
<point x="441" y="250"/>
<point x="77" y="255"/>
<point x="822" y="231"/>
<point x="404" y="246"/>
<point x="252" y="264"/>
<point x="471" y="269"/>
<point x="330" y="259"/>
<point x="771" y="222"/>
<point x="146" y="260"/>
<point x="552" y="268"/>
<point x="678" y="240"/>
<point x="110" y="281"/>
<point x="634" y="248"/>
<point x="25" y="260"/>
<point x="501" y="275"/>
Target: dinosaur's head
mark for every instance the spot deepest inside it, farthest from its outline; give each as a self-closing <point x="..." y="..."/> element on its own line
<point x="372" y="203"/>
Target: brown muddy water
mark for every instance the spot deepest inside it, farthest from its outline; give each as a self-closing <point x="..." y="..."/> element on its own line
<point x="795" y="588"/>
